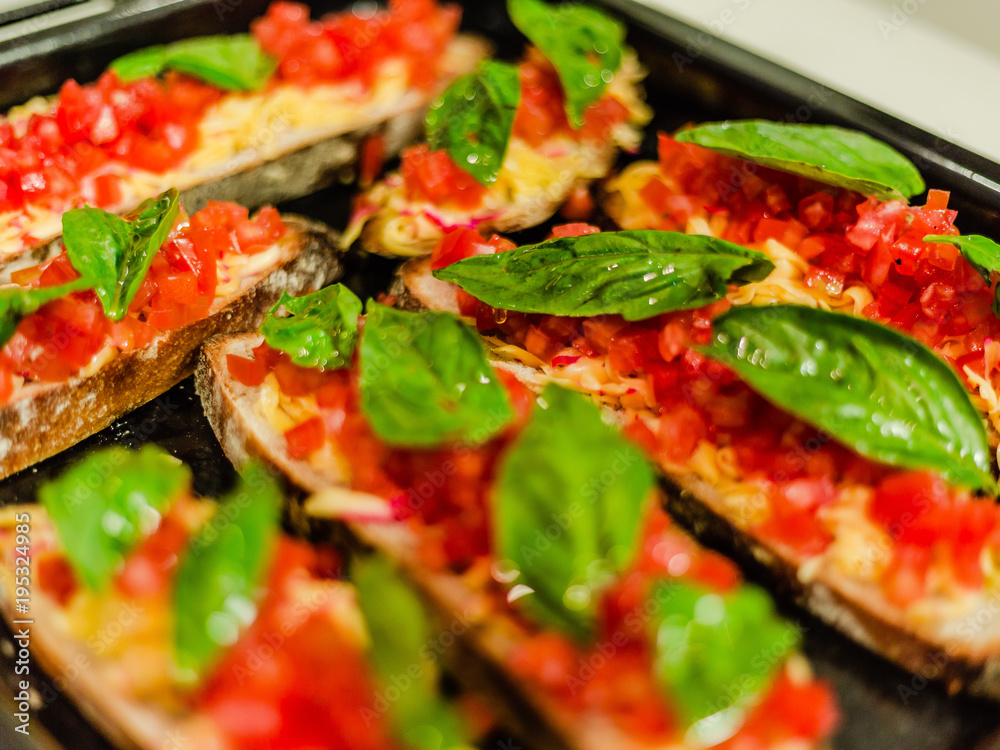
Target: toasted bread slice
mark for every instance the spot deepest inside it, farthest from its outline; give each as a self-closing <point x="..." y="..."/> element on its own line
<point x="955" y="647"/>
<point x="118" y="672"/>
<point x="43" y="419"/>
<point x="487" y="639"/>
<point x="253" y="152"/>
<point x="534" y="183"/>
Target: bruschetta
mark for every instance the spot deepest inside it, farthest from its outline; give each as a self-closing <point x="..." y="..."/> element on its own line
<point x="530" y="524"/>
<point x="821" y="445"/>
<point x="200" y="622"/>
<point x="255" y="119"/>
<point x="117" y="316"/>
<point x="506" y="158"/>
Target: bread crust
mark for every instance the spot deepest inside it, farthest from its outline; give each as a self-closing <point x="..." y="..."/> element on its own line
<point x="45" y="419"/>
<point x="856" y="608"/>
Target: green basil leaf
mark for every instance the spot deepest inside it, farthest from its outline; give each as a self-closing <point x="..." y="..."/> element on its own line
<point x="322" y="329"/>
<point x="103" y="506"/>
<point x="636" y="274"/>
<point x="18" y="302"/>
<point x="114" y="254"/>
<point x="583" y="44"/>
<point x="472" y="119"/>
<point x="568" y="502"/>
<point x="715" y="652"/>
<point x="870" y="387"/>
<point x="220" y="573"/>
<point x="835" y="156"/>
<point x="425" y="381"/>
<point x="233" y="62"/>
<point x="400" y="631"/>
<point x="982" y="253"/>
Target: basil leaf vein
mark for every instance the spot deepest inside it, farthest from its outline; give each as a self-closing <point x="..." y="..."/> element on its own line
<point x="569" y="498"/>
<point x="636" y="274"/>
<point x="232" y="62"/>
<point x="400" y="631"/>
<point x="322" y="329"/>
<point x="715" y="652"/>
<point x="874" y="389"/>
<point x="584" y="45"/>
<point x="221" y="571"/>
<point x="835" y="156"/>
<point x="982" y="253"/>
<point x="16" y="303"/>
<point x="425" y="381"/>
<point x="114" y="254"/>
<point x="107" y="503"/>
<point x="472" y="119"/>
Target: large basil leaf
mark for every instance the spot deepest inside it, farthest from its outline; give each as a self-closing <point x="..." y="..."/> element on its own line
<point x="835" y="156"/>
<point x="713" y="653"/>
<point x="18" y="302"/>
<point x="399" y="630"/>
<point x="234" y="62"/>
<point x="877" y="391"/>
<point x="636" y="274"/>
<point x="568" y="502"/>
<point x="220" y="573"/>
<point x="107" y="503"/>
<point x="982" y="253"/>
<point x="425" y="381"/>
<point x="472" y="119"/>
<point x="583" y="44"/>
<point x="114" y="254"/>
<point x="322" y="329"/>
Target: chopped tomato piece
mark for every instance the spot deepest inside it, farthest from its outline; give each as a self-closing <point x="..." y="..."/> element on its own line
<point x="305" y="438"/>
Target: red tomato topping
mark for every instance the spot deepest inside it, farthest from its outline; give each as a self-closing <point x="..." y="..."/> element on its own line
<point x="354" y="45"/>
<point x="433" y="176"/>
<point x="63" y="336"/>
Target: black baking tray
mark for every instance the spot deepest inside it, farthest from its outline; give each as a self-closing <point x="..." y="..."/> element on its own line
<point x="883" y="707"/>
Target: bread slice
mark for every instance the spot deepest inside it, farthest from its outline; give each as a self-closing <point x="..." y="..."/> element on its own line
<point x="275" y="161"/>
<point x="486" y="638"/>
<point x="43" y="419"/>
<point x="962" y="649"/>
<point x="108" y="675"/>
<point x="533" y="184"/>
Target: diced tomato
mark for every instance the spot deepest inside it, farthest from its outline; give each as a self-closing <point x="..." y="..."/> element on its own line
<point x="457" y="245"/>
<point x="573" y="230"/>
<point x="107" y="190"/>
<point x="816" y="211"/>
<point x="831" y="282"/>
<point x="249" y="372"/>
<point x="305" y="438"/>
<point x="55" y="577"/>
<point x="433" y="176"/>
<point x="579" y="206"/>
<point x="371" y="159"/>
<point x="905" y="579"/>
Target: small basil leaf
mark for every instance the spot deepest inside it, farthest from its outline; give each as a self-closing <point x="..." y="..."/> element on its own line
<point x="107" y="503"/>
<point x="233" y="62"/>
<point x="472" y="119"/>
<point x="835" y="156"/>
<point x="425" y="381"/>
<point x="400" y="631"/>
<point x="569" y="470"/>
<point x="114" y="254"/>
<point x="221" y="571"/>
<point x="322" y="329"/>
<point x="583" y="44"/>
<point x="18" y="302"/>
<point x="872" y="388"/>
<point x="707" y="646"/>
<point x="982" y="253"/>
<point x="636" y="274"/>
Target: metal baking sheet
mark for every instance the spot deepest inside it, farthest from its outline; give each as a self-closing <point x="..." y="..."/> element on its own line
<point x="883" y="706"/>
